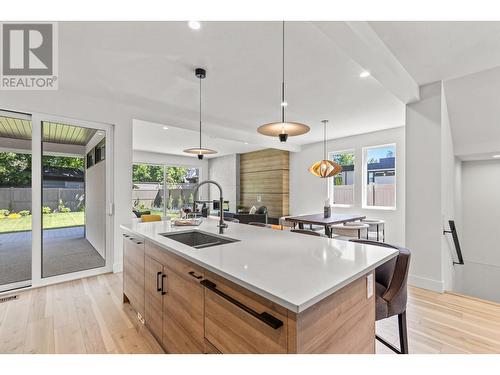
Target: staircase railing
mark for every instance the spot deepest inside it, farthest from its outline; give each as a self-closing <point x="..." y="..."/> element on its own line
<point x="453" y="231"/>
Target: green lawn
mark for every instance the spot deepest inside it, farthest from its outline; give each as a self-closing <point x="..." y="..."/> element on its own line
<point x="54" y="220"/>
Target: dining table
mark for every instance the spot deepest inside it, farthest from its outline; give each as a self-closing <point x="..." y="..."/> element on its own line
<point x="326" y="222"/>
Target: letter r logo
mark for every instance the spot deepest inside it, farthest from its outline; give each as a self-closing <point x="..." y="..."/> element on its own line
<point x="27" y="49"/>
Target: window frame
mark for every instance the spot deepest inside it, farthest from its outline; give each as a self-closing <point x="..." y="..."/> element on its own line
<point x="364" y="184"/>
<point x="331" y="188"/>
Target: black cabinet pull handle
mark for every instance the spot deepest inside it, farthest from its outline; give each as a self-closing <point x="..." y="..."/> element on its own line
<point x="264" y="317"/>
<point x="163" y="277"/>
<point x="158" y="288"/>
<point x="195" y="275"/>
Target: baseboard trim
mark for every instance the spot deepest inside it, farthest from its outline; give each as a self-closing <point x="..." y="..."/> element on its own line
<point x="117" y="267"/>
<point x="425" y="283"/>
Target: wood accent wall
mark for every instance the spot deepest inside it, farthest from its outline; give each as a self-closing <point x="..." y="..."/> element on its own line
<point x="265" y="173"/>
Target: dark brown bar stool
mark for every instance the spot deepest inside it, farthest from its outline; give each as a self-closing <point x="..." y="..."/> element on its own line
<point x="309" y="232"/>
<point x="391" y="292"/>
<point x="257" y="224"/>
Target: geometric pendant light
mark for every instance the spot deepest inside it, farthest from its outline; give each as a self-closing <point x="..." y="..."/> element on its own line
<point x="325" y="168"/>
<point x="283" y="129"/>
<point x="200" y="151"/>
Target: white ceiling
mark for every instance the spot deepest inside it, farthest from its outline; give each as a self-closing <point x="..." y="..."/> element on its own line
<point x="151" y="65"/>
<point x="152" y="137"/>
<point x="474" y="112"/>
<point x="433" y="51"/>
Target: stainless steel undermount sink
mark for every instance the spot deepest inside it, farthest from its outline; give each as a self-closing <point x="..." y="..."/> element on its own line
<point x="198" y="239"/>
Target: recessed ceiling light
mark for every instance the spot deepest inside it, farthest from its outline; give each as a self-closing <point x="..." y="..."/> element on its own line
<point x="165" y="128"/>
<point x="195" y="25"/>
<point x="364" y="74"/>
<point x="496" y="156"/>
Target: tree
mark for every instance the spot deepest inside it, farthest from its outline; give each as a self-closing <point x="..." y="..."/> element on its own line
<point x="15" y="169"/>
<point x="176" y="175"/>
<point x="344" y="159"/>
<point x="180" y="202"/>
<point x="147" y="173"/>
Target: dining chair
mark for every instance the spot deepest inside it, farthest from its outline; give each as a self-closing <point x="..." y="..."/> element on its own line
<point x="391" y="292"/>
<point x="309" y="232"/>
<point x="284" y="223"/>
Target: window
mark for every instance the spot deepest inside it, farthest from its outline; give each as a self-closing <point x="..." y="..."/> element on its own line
<point x="147" y="188"/>
<point x="342" y="185"/>
<point x="163" y="190"/>
<point x="379" y="175"/>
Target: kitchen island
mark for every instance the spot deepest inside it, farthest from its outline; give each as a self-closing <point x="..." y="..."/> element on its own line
<point x="266" y="291"/>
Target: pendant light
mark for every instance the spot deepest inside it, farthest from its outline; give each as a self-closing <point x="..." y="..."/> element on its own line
<point x="283" y="129"/>
<point x="200" y="151"/>
<point x="325" y="168"/>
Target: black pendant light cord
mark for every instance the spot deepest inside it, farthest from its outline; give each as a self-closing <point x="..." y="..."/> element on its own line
<point x="324" y="138"/>
<point x="200" y="113"/>
<point x="283" y="74"/>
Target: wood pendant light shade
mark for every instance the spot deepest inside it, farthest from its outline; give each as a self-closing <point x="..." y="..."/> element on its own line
<point x="325" y="168"/>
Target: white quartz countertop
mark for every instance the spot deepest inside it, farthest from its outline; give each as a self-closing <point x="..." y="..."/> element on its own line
<point x="291" y="269"/>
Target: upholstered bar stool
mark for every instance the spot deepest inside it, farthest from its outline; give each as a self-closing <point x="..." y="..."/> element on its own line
<point x="308" y="232"/>
<point x="351" y="230"/>
<point x="391" y="292"/>
<point x="375" y="226"/>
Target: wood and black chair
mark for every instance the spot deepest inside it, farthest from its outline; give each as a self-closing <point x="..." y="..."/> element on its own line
<point x="391" y="292"/>
<point x="309" y="232"/>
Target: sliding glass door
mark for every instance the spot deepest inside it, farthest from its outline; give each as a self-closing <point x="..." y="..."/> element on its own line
<point x="73" y="199"/>
<point x="15" y="200"/>
<point x="56" y="202"/>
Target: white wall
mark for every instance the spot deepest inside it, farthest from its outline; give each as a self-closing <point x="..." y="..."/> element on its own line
<point x="95" y="206"/>
<point x="173" y="160"/>
<point x="480" y="238"/>
<point x="308" y="193"/>
<point x="448" y="195"/>
<point x="226" y="171"/>
<point x="423" y="188"/>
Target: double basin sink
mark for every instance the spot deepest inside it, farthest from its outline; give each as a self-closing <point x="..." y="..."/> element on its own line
<point x="198" y="239"/>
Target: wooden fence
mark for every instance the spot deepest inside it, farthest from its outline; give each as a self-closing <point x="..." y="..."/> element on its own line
<point x="382" y="195"/>
<point x="17" y="199"/>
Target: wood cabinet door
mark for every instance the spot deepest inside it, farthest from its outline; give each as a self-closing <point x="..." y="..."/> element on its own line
<point x="231" y="324"/>
<point x="153" y="297"/>
<point x="183" y="312"/>
<point x="133" y="271"/>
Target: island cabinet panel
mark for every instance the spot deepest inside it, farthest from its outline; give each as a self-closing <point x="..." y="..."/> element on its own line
<point x="153" y="297"/>
<point x="231" y="328"/>
<point x="181" y="309"/>
<point x="183" y="313"/>
<point x="133" y="271"/>
<point x="343" y="322"/>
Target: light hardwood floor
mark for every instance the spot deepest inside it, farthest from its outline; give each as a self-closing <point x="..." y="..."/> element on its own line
<point x="83" y="316"/>
<point x="88" y="316"/>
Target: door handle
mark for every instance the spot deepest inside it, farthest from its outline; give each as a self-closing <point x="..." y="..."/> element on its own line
<point x="195" y="275"/>
<point x="264" y="317"/>
<point x="158" y="288"/>
<point x="163" y="277"/>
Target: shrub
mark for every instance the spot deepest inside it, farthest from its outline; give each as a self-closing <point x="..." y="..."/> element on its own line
<point x="14" y="216"/>
<point x="64" y="209"/>
<point x="24" y="212"/>
<point x="46" y="210"/>
<point x="4" y="212"/>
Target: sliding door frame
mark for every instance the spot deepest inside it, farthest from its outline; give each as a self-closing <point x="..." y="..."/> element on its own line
<point x="37" y="120"/>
